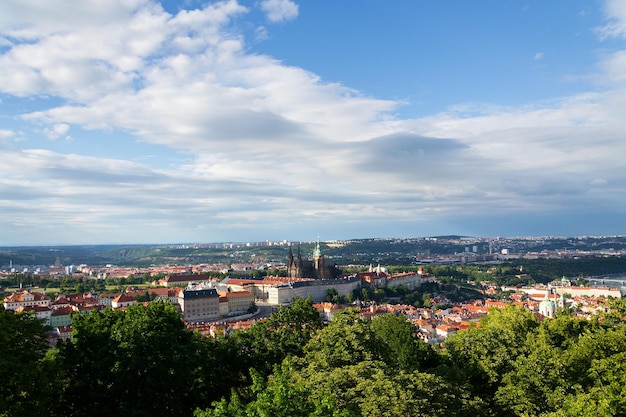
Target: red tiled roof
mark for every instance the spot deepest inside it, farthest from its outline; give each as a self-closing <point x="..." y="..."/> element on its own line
<point x="111" y="296"/>
<point x="447" y="328"/>
<point x="123" y="298"/>
<point x="60" y="301"/>
<point x="170" y="292"/>
<point x="62" y="311"/>
<point x="18" y="296"/>
<point x="64" y="329"/>
<point x="327" y="306"/>
<point x="369" y="276"/>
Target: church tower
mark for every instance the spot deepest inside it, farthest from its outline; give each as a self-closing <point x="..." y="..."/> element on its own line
<point x="318" y="262"/>
<point x="294" y="265"/>
<point x="316" y="268"/>
<point x="290" y="258"/>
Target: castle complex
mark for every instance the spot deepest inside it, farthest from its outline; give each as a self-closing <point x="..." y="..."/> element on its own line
<point x="316" y="269"/>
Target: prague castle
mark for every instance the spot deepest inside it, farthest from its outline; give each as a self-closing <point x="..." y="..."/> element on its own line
<point x="316" y="269"/>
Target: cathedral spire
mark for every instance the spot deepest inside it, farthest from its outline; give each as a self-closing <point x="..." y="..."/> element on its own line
<point x="290" y="257"/>
<point x="317" y="252"/>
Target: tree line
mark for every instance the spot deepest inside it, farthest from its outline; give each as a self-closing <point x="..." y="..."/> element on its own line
<point x="144" y="362"/>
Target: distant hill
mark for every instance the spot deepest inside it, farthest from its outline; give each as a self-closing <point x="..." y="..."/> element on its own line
<point x="390" y="251"/>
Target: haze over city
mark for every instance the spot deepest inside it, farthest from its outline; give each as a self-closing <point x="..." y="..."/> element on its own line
<point x="138" y="121"/>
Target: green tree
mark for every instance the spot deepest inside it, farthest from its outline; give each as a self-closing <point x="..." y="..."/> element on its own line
<point x="350" y="297"/>
<point x="402" y="349"/>
<point x="284" y="333"/>
<point x="606" y="396"/>
<point x="343" y="374"/>
<point x="571" y="364"/>
<point x="333" y="296"/>
<point x="139" y="362"/>
<point x="482" y="355"/>
<point x="426" y="300"/>
<point x="26" y="380"/>
<point x="366" y="294"/>
<point x="347" y="340"/>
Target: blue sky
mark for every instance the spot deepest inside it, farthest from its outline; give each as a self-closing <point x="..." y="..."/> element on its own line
<point x="138" y="121"/>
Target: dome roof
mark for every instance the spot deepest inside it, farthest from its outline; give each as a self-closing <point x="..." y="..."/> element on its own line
<point x="547" y="308"/>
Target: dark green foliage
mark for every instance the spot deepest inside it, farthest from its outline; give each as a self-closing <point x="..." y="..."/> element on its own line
<point x="139" y="362"/>
<point x="67" y="283"/>
<point x="344" y="373"/>
<point x="26" y="379"/>
<point x="546" y="270"/>
<point x="570" y="360"/>
<point x="284" y="333"/>
<point x="143" y="362"/>
<point x="400" y="346"/>
<point x="483" y="355"/>
<point x="333" y="296"/>
<point x="347" y="340"/>
<point x="420" y="296"/>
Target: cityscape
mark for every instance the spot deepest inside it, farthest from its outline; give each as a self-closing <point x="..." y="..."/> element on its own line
<point x="263" y="276"/>
<point x="289" y="208"/>
<point x="439" y="292"/>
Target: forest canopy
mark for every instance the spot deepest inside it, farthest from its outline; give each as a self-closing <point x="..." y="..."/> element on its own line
<point x="145" y="362"/>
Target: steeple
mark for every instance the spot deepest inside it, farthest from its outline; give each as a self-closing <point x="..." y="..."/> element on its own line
<point x="294" y="266"/>
<point x="290" y="257"/>
<point x="317" y="252"/>
<point x="318" y="262"/>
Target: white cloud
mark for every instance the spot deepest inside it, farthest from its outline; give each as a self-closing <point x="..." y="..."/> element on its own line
<point x="279" y="10"/>
<point x="59" y="129"/>
<point x="538" y="56"/>
<point x="266" y="143"/>
<point x="615" y="11"/>
<point x="84" y="61"/>
<point x="5" y="134"/>
<point x="32" y="19"/>
<point x="614" y="68"/>
<point x="261" y="34"/>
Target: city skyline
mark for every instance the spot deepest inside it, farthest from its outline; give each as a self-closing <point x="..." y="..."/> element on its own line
<point x="141" y="122"/>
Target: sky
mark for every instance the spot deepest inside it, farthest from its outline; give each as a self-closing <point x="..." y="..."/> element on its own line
<point x="139" y="121"/>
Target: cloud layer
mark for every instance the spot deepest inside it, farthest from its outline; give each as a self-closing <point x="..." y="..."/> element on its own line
<point x="248" y="148"/>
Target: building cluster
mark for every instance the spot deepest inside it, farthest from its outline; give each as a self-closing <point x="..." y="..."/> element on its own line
<point x="202" y="300"/>
<point x="435" y="325"/>
<point x="211" y="306"/>
<point x="196" y="304"/>
<point x="57" y="314"/>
